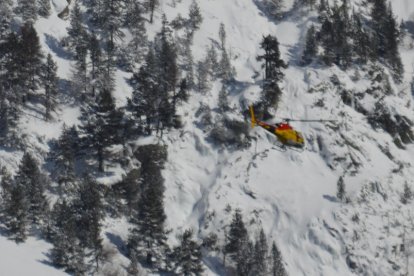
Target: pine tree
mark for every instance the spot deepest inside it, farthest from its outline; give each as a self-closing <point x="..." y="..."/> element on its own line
<point x="77" y="35"/>
<point x="273" y="7"/>
<point x="13" y="207"/>
<point x="212" y="61"/>
<point x="28" y="10"/>
<point x="136" y="25"/>
<point x="5" y="20"/>
<point x="340" y="194"/>
<point x="97" y="71"/>
<point x="33" y="181"/>
<point x="16" y="212"/>
<point x="147" y="237"/>
<point x="225" y="69"/>
<point x="361" y="46"/>
<point x="50" y="84"/>
<point x="44" y="7"/>
<point x="222" y="36"/>
<point x="166" y="55"/>
<point x="195" y="18"/>
<point x="151" y="5"/>
<point x="273" y="65"/>
<point x="277" y="266"/>
<point x="63" y="154"/>
<point x="310" y="51"/>
<point x="237" y="237"/>
<point x="32" y="57"/>
<point x="202" y="81"/>
<point x="260" y="254"/>
<point x="110" y="22"/>
<point x="407" y="196"/>
<point x="101" y="125"/>
<point x="327" y="37"/>
<point x="144" y="101"/>
<point x="223" y="102"/>
<point x="67" y="251"/>
<point x="89" y="213"/>
<point x="187" y="256"/>
<point x="131" y="187"/>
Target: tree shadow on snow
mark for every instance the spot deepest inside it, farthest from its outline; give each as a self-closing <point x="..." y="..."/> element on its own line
<point x="55" y="46"/>
<point x="330" y="198"/>
<point x="409" y="27"/>
<point x="118" y="242"/>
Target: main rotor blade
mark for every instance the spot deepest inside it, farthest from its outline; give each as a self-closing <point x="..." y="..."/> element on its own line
<point x="308" y="120"/>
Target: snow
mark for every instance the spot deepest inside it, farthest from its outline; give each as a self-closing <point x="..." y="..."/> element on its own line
<point x="291" y="194"/>
<point x="29" y="258"/>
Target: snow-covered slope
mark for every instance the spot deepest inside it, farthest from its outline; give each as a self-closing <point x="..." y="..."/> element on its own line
<point x="291" y="194"/>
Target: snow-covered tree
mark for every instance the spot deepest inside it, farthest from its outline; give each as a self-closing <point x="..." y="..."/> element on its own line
<point x="340" y="193"/>
<point x="63" y="156"/>
<point x="28" y="10"/>
<point x="44" y="7"/>
<point x="49" y="80"/>
<point x="101" y="122"/>
<point x="187" y="255"/>
<point x="310" y="47"/>
<point x="276" y="262"/>
<point x="147" y="237"/>
<point x="33" y="181"/>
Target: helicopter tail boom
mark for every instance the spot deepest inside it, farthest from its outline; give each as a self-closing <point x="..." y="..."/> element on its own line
<point x="252" y="117"/>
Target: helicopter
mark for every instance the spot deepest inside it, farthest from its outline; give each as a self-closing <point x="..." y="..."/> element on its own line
<point x="283" y="131"/>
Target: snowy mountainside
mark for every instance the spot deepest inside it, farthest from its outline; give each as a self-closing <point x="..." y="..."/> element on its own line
<point x="291" y="194"/>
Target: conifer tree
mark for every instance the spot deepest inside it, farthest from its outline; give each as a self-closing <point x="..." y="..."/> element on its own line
<point x="223" y="102"/>
<point x="5" y="20"/>
<point x="273" y="65"/>
<point x="28" y="10"/>
<point x="147" y="237"/>
<point x="44" y="7"/>
<point x="276" y="262"/>
<point x="361" y="46"/>
<point x="166" y="55"/>
<point x="202" y="81"/>
<point x="260" y="255"/>
<point x="195" y="17"/>
<point x="50" y="84"/>
<point x="33" y="182"/>
<point x="310" y="47"/>
<point x="273" y="7"/>
<point x="63" y="154"/>
<point x="144" y="101"/>
<point x="16" y="212"/>
<point x="340" y="194"/>
<point x="407" y="196"/>
<point x="110" y="22"/>
<point x="151" y="5"/>
<point x="89" y="213"/>
<point x="132" y="191"/>
<point x="77" y="35"/>
<point x="97" y="71"/>
<point x="136" y="25"/>
<point x="225" y="69"/>
<point x="222" y="36"/>
<point x="101" y="125"/>
<point x="237" y="237"/>
<point x="63" y="235"/>
<point x="32" y="57"/>
<point x="212" y="61"/>
<point x="187" y="255"/>
<point x="327" y="38"/>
